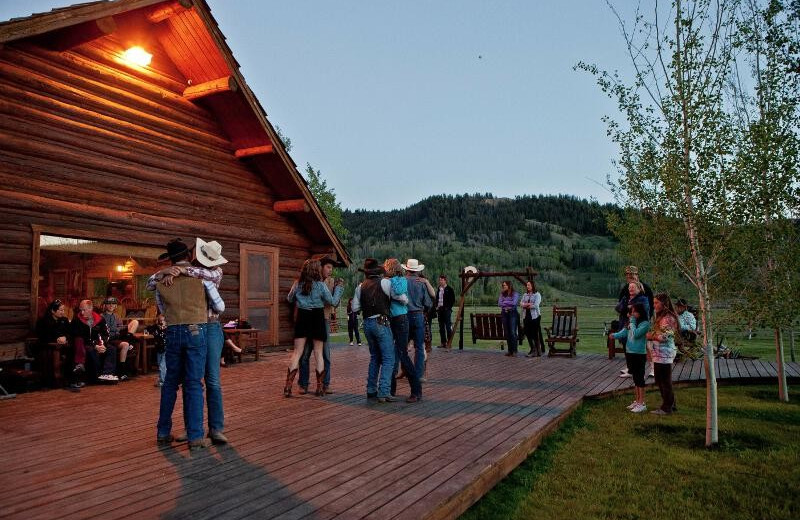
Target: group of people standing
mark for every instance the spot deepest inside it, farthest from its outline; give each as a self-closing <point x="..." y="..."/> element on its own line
<point x="530" y="302"/>
<point x="647" y="326"/>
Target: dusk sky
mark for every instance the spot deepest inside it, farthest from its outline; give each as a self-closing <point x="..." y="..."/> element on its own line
<point x="397" y="101"/>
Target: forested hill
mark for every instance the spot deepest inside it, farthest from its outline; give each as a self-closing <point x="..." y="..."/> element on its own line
<point x="482" y="218"/>
<point x="564" y="238"/>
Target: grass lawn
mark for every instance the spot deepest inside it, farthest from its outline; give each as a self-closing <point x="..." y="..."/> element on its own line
<point x="605" y="462"/>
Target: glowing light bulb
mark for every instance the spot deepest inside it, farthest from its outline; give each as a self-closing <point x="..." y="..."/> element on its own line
<point x="137" y="56"/>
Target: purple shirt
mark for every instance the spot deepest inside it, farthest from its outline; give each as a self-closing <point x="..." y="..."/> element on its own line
<point x="508" y="302"/>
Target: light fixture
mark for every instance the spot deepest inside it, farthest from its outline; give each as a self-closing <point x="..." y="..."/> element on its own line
<point x="137" y="56"/>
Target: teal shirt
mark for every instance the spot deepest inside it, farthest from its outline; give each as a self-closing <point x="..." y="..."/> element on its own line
<point x="399" y="287"/>
<point x="637" y="342"/>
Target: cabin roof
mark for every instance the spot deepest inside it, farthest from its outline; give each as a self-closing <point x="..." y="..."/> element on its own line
<point x="194" y="43"/>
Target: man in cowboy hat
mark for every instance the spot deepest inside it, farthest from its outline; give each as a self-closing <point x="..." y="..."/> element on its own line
<point x="183" y="302"/>
<point x="372" y="296"/>
<point x="209" y="257"/>
<point x="418" y="301"/>
<point x="327" y="264"/>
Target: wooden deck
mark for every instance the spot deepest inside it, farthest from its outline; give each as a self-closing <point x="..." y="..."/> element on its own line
<point x="92" y="454"/>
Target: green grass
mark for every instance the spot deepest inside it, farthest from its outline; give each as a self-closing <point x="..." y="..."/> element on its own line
<point x="593" y="314"/>
<point x="605" y="462"/>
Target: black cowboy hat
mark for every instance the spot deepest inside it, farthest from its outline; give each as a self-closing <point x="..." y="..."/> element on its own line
<point x="372" y="267"/>
<point x="327" y="259"/>
<point x="175" y="249"/>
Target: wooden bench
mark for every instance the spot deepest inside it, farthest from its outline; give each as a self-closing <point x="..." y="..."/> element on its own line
<point x="489" y="326"/>
<point x="563" y="330"/>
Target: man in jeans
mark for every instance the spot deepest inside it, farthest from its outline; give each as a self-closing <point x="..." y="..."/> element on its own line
<point x="446" y="298"/>
<point x="418" y="301"/>
<point x="184" y="304"/>
<point x="372" y="297"/>
<point x="327" y="264"/>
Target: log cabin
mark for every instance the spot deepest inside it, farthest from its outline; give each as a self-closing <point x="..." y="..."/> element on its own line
<point x="127" y="123"/>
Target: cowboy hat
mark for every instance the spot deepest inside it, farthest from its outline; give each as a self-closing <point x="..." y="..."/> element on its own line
<point x="209" y="253"/>
<point x="412" y="264"/>
<point x="175" y="248"/>
<point x="327" y="259"/>
<point x="372" y="267"/>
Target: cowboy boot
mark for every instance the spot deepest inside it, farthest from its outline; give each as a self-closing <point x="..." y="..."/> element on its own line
<point x="320" y="387"/>
<point x="287" y="389"/>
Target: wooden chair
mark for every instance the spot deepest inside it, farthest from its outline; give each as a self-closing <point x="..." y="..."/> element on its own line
<point x="563" y="330"/>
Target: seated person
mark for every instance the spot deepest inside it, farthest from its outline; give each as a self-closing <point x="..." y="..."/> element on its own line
<point x="90" y="335"/>
<point x="54" y="328"/>
<point x="119" y="337"/>
<point x="686" y="320"/>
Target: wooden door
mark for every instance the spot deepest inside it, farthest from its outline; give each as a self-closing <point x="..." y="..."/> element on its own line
<point x="258" y="290"/>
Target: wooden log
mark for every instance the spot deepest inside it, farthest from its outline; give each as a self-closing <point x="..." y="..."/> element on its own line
<point x="255" y="150"/>
<point x="72" y="36"/>
<point x="224" y="84"/>
<point x="291" y="206"/>
<point x="36" y="85"/>
<point x="164" y="11"/>
<point x="29" y="204"/>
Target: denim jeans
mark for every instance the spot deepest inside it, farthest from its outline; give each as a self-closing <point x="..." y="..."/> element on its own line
<point x="416" y="331"/>
<point x="162" y="366"/>
<point x="215" y="340"/>
<point x="510" y="325"/>
<point x="306" y="357"/>
<point x="186" y="364"/>
<point x="400" y="334"/>
<point x="381" y="357"/>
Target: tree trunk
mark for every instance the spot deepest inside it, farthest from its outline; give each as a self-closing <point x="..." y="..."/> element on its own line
<point x="783" y="390"/>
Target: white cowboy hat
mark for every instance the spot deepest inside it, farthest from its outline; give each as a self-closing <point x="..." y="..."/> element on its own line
<point x="412" y="264"/>
<point x="470" y="269"/>
<point x="209" y="253"/>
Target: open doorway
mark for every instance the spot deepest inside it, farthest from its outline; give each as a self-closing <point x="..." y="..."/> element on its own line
<point x="72" y="269"/>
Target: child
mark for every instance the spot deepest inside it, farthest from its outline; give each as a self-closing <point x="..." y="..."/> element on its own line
<point x="159" y="330"/>
<point x="635" y="352"/>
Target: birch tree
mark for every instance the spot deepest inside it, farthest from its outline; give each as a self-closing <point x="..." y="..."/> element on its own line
<point x="676" y="147"/>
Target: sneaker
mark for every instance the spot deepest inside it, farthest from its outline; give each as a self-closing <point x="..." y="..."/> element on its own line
<point x="79" y="369"/>
<point x="630" y="406"/>
<point x="639" y="408"/>
<point x="651" y="374"/>
<point x="111" y="377"/>
<point x="351" y="343"/>
<point x="624" y="373"/>
<point x="123" y="377"/>
<point x="359" y="344"/>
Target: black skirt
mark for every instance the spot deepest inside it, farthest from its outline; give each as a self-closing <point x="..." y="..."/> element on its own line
<point x="311" y="324"/>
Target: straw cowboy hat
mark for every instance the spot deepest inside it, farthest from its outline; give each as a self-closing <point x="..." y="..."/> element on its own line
<point x="412" y="264"/>
<point x="209" y="253"/>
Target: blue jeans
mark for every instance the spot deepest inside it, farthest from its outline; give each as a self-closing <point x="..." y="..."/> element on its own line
<point x="326" y="358"/>
<point x="416" y="331"/>
<point x="186" y="364"/>
<point x="215" y="340"/>
<point x="510" y="325"/>
<point x="400" y="333"/>
<point x="162" y="366"/>
<point x="381" y="357"/>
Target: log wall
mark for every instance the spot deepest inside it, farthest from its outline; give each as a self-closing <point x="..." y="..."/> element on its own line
<point x="87" y="145"/>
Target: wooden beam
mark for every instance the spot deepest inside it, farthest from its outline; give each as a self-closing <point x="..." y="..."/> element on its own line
<point x="69" y="37"/>
<point x="225" y="84"/>
<point x="291" y="206"/>
<point x="167" y="10"/>
<point x="255" y="150"/>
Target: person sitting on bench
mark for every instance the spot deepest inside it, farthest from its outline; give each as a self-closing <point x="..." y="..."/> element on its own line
<point x="119" y="336"/>
<point x="53" y="328"/>
<point x="90" y="333"/>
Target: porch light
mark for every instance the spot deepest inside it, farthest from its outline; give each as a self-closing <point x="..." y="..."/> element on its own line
<point x="137" y="56"/>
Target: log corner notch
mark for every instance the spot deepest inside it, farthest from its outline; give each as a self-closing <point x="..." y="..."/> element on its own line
<point x="168" y="10"/>
<point x="224" y="84"/>
<point x="291" y="206"/>
<point x="254" y="150"/>
<point x="69" y="37"/>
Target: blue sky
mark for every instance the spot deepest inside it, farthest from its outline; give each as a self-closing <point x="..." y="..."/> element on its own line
<point x="397" y="101"/>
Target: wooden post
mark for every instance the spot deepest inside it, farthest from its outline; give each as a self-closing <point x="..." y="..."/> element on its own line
<point x="255" y="150"/>
<point x="461" y="324"/>
<point x="224" y="84"/>
<point x="291" y="206"/>
<point x="161" y="13"/>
